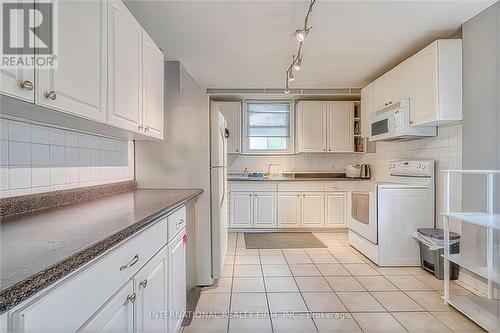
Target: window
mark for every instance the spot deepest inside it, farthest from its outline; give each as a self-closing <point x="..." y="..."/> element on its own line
<point x="268" y="127"/>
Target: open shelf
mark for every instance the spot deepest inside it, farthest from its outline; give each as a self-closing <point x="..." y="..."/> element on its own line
<point x="485" y="312"/>
<point x="471" y="266"/>
<point x="477" y="218"/>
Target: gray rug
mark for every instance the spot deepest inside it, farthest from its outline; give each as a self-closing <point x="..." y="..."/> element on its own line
<point x="282" y="240"/>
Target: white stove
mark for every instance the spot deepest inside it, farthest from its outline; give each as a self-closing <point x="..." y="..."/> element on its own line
<point x="384" y="218"/>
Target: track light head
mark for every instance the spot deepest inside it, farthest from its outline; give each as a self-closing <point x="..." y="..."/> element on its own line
<point x="301" y="34"/>
<point x="290" y="76"/>
<point x="297" y="65"/>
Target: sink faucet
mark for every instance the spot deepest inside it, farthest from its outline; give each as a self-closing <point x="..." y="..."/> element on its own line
<point x="269" y="168"/>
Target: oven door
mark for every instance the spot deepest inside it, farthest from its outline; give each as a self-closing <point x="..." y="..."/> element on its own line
<point x="363" y="219"/>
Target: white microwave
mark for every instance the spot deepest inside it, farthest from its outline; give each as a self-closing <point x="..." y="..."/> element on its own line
<point x="393" y="123"/>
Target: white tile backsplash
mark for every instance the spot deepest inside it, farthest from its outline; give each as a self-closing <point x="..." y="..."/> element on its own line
<point x="35" y="159"/>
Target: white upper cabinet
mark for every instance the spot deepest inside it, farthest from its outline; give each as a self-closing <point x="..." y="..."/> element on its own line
<point x="340" y="127"/>
<point x="153" y="88"/>
<point x="232" y="114"/>
<point x="392" y="87"/>
<point x="78" y="84"/>
<point x="367" y="108"/>
<point x="311" y="126"/>
<point x="124" y="68"/>
<point x="436" y="84"/>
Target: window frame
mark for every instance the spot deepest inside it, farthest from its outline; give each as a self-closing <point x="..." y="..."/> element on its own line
<point x="291" y="138"/>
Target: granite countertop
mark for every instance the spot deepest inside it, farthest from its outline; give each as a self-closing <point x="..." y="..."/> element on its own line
<point x="39" y="248"/>
<point x="296" y="176"/>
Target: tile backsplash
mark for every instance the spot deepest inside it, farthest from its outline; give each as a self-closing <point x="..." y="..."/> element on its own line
<point x="37" y="158"/>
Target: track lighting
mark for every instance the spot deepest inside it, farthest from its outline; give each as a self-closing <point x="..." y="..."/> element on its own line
<point x="297" y="64"/>
<point x="290" y="76"/>
<point x="301" y="34"/>
<point x="287" y="89"/>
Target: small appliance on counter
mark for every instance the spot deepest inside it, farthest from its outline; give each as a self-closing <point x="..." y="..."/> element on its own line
<point x="352" y="170"/>
<point x="365" y="171"/>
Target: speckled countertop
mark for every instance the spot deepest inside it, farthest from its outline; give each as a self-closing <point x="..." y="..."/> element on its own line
<point x="40" y="248"/>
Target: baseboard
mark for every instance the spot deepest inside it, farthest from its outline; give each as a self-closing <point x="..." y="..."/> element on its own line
<point x="317" y="230"/>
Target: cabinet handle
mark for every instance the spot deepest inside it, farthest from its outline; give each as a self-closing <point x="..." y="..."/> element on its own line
<point x="51" y="95"/>
<point x="178" y="224"/>
<point x="143" y="283"/>
<point x="131" y="263"/>
<point x="28" y="85"/>
<point x="131" y="298"/>
<point x="329" y="150"/>
<point x="140" y="127"/>
<point x="146" y="129"/>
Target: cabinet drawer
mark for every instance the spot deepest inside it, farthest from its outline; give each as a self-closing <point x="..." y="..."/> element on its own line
<point x="176" y="222"/>
<point x="78" y="297"/>
<point x="301" y="186"/>
<point x="253" y="186"/>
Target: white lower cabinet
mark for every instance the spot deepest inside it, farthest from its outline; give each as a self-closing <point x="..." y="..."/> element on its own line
<point x="313" y="207"/>
<point x="241" y="211"/>
<point x="177" y="282"/>
<point x="264" y="210"/>
<point x="336" y="209"/>
<point x="289" y="210"/>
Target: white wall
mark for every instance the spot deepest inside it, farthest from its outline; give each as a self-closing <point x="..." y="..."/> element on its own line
<point x="182" y="159"/>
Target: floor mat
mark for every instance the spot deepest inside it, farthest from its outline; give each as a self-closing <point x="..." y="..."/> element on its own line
<point x="282" y="240"/>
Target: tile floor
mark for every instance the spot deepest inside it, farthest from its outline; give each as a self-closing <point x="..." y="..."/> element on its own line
<point x="321" y="290"/>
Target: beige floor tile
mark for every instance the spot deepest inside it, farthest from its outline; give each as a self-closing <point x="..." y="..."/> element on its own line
<point x="229" y="260"/>
<point x="297" y="324"/>
<point x="248" y="285"/>
<point x="223" y="285"/>
<point x="213" y="303"/>
<point x="288" y="252"/>
<point x="298" y="259"/>
<point x="407" y="282"/>
<point x="415" y="270"/>
<point x="207" y="325"/>
<point x="429" y="300"/>
<point x="273" y="260"/>
<point x="286" y="302"/>
<point x="378" y="322"/>
<point x="344" y="283"/>
<point x="420" y="322"/>
<point x="360" y="302"/>
<point x="312" y="284"/>
<point x="430" y="280"/>
<point x="317" y="251"/>
<point x="250" y="325"/>
<point x="340" y="250"/>
<point x="349" y="258"/>
<point x="376" y="283"/>
<point x="254" y="260"/>
<point x="457" y="322"/>
<point x="323" y="259"/>
<point x="276" y="270"/>
<point x="227" y="270"/>
<point x="391" y="270"/>
<point x="249" y="303"/>
<point x="280" y="284"/>
<point x="332" y="242"/>
<point x="247" y="271"/>
<point x="333" y="323"/>
<point x="361" y="269"/>
<point x="332" y="270"/>
<point x="246" y="252"/>
<point x="270" y="252"/>
<point x="323" y="302"/>
<point x="396" y="301"/>
<point x="304" y="270"/>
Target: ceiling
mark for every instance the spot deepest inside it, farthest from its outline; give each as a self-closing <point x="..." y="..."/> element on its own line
<point x="249" y="44"/>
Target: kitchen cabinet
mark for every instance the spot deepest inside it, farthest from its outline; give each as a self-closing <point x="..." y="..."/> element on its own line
<point x="340" y="127"/>
<point x="289" y="210"/>
<point x="78" y="84"/>
<point x="311" y="126"/>
<point x="392" y="87"/>
<point x="436" y="84"/>
<point x="312" y="210"/>
<point x="336" y="209"/>
<point x="125" y="67"/>
<point x="367" y="108"/>
<point x="153" y="88"/>
<point x="264" y="210"/>
<point x="177" y="282"/>
<point x="232" y="114"/>
<point x="117" y="315"/>
<point x="241" y="209"/>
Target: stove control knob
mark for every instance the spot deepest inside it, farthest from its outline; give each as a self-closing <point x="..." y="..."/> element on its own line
<point x="424" y="166"/>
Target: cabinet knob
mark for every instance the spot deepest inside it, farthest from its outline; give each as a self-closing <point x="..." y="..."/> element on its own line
<point x="146" y="129"/>
<point x="131" y="298"/>
<point x="28" y="85"/>
<point x="143" y="283"/>
<point x="140" y="127"/>
<point x="329" y="150"/>
<point x="51" y="95"/>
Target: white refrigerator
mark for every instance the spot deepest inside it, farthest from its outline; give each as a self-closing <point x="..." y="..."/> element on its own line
<point x="219" y="192"/>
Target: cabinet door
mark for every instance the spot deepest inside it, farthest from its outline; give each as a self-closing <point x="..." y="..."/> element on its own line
<point x="423" y="73"/>
<point x="124" y="68"/>
<point x="264" y="213"/>
<point x="151" y="285"/>
<point x="153" y="88"/>
<point x="116" y="315"/>
<point x="312" y="127"/>
<point x="176" y="283"/>
<point x="366" y="110"/>
<point x="78" y="84"/>
<point x="18" y="83"/>
<point x="232" y="114"/>
<point x="336" y="204"/>
<point x="398" y="83"/>
<point x="289" y="210"/>
<point x="381" y="92"/>
<point x="313" y="209"/>
<point x="241" y="211"/>
<point x="341" y="127"/>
